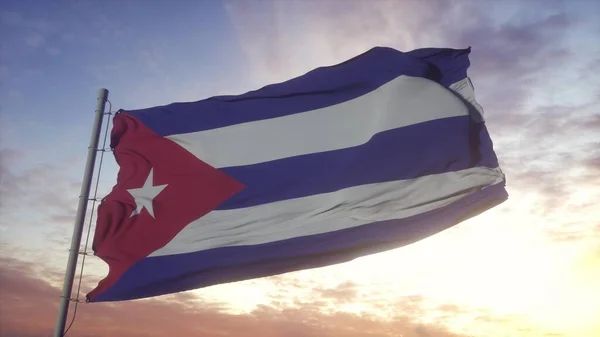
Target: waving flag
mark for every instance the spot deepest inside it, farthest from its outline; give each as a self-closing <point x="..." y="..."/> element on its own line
<point x="371" y="154"/>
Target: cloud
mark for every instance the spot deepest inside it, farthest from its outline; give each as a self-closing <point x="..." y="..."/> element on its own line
<point x="342" y="293"/>
<point x="37" y="206"/>
<point x="555" y="158"/>
<point x="328" y="32"/>
<point x="29" y="307"/>
<point x="592" y="163"/>
<point x="29" y="187"/>
<point x="53" y="51"/>
<point x="50" y="186"/>
<point x="10" y="18"/>
<point x="574" y="232"/>
<point x="18" y="20"/>
<point x="35" y="40"/>
<point x="8" y="158"/>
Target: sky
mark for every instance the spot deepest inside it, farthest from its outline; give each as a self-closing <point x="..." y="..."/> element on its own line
<point x="529" y="267"/>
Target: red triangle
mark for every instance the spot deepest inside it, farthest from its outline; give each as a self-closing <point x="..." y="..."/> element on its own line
<point x="193" y="189"/>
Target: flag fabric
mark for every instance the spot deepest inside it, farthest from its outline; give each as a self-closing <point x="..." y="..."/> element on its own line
<point x="371" y="154"/>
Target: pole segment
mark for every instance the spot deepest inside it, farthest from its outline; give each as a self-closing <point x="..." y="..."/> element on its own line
<point x="86" y="184"/>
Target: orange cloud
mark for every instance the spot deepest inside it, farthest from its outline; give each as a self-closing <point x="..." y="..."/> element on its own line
<point x="345" y="292"/>
<point x="29" y="307"/>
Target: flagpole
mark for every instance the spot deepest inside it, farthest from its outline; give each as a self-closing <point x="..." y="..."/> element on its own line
<point x="86" y="184"/>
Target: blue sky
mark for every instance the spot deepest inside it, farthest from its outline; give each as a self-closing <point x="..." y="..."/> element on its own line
<point x="60" y="53"/>
<point x="56" y="55"/>
<point x="534" y="67"/>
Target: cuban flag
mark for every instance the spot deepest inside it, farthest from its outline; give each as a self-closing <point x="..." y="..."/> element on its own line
<point x="377" y="152"/>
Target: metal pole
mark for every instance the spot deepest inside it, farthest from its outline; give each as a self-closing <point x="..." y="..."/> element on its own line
<point x="88" y="174"/>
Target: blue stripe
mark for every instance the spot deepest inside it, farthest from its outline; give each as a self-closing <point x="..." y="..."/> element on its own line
<point x="322" y="87"/>
<point x="173" y="273"/>
<point x="433" y="147"/>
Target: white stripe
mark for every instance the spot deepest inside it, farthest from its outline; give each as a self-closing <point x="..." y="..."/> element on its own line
<point x="465" y="89"/>
<point x="327" y="212"/>
<point x="400" y="102"/>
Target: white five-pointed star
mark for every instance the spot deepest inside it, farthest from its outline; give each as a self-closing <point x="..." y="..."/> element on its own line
<point x="145" y="195"/>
